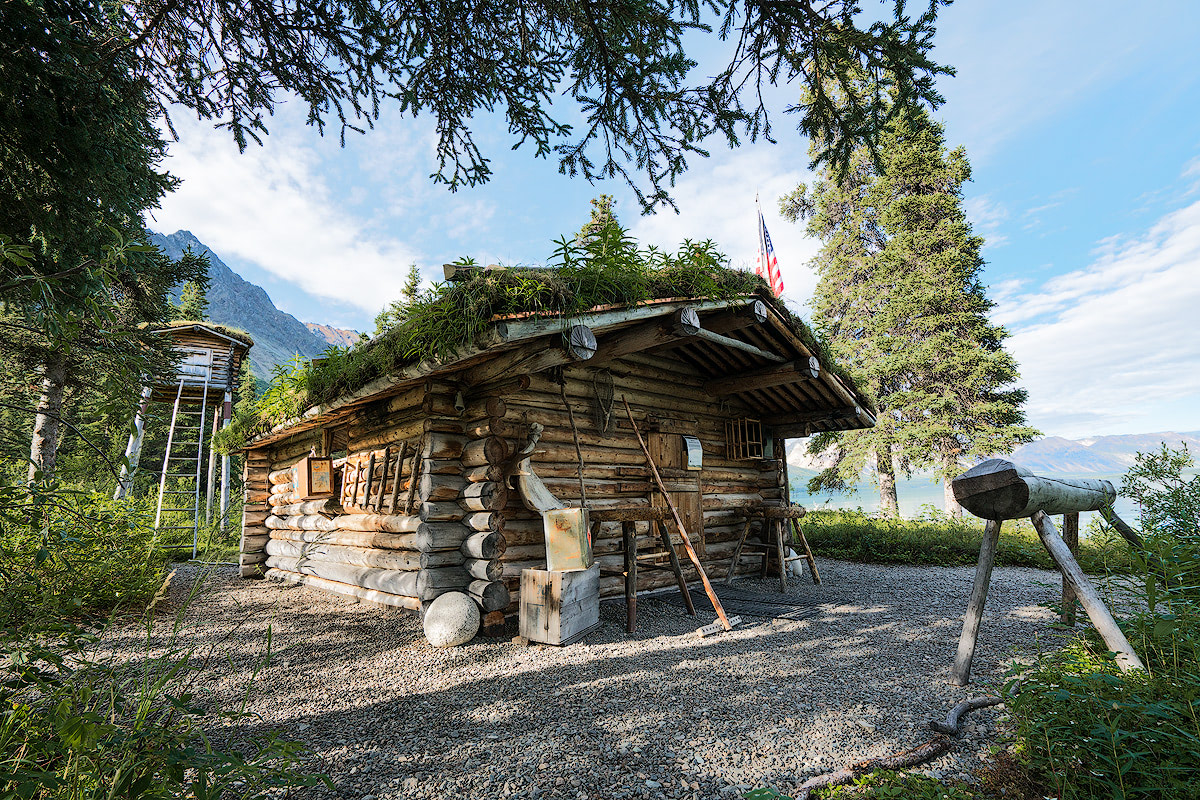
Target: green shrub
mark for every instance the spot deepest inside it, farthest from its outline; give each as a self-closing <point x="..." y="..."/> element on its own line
<point x="76" y="724"/>
<point x="71" y="554"/>
<point x="1088" y="730"/>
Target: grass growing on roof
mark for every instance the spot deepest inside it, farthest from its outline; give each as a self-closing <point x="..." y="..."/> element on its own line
<point x="603" y="266"/>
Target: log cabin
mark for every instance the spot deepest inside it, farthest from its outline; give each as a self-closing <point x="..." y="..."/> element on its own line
<point x="420" y="498"/>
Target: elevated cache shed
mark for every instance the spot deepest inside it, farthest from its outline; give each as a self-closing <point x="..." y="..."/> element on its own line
<point x="422" y="498"/>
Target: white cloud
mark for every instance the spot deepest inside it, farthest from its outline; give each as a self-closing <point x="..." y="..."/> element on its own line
<point x="1107" y="348"/>
<point x="716" y="201"/>
<point x="272" y="205"/>
<point x="986" y="215"/>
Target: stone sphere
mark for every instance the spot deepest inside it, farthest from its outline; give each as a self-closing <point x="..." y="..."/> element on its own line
<point x="451" y="619"/>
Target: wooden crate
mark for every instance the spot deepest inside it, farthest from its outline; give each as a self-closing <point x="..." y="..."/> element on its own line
<point x="559" y="607"/>
<point x="312" y="476"/>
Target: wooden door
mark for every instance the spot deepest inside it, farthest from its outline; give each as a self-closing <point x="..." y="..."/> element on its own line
<point x="683" y="486"/>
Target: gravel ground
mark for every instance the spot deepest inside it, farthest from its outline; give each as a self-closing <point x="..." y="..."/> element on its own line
<point x="659" y="714"/>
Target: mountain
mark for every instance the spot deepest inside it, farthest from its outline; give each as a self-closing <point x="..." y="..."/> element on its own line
<point x="339" y="337"/>
<point x="234" y="301"/>
<point x="1054" y="455"/>
<point x="1100" y="454"/>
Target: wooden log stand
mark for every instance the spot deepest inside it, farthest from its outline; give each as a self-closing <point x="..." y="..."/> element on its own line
<point x="997" y="490"/>
<point x="773" y="519"/>
<point x="656" y="518"/>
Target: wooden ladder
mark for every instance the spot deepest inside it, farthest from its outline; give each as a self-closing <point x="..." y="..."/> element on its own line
<point x="184" y="451"/>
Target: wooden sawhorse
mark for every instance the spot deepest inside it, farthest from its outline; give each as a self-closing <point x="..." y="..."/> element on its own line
<point x="657" y="519"/>
<point x="773" y="522"/>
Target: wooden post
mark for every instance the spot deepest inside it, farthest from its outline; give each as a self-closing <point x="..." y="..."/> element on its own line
<point x="673" y="558"/>
<point x="777" y="528"/>
<point x="226" y="418"/>
<point x="1071" y="537"/>
<point x="960" y="673"/>
<point x="737" y="551"/>
<point x="808" y="554"/>
<point x="687" y="542"/>
<point x="1089" y="598"/>
<point x="629" y="537"/>
<point x="212" y="467"/>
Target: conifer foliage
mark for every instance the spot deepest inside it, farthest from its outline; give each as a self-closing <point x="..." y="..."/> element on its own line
<point x="901" y="303"/>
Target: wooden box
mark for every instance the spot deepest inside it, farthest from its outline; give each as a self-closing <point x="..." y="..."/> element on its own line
<point x="313" y="477"/>
<point x="559" y="607"/>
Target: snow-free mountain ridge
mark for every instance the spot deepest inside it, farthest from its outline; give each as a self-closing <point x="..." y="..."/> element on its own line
<point x="238" y="303"/>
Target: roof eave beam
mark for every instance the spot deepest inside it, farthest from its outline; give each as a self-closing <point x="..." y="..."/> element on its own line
<point x="790" y="372"/>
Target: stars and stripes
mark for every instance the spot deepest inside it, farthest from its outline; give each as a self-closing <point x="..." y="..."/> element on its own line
<point x="767" y="266"/>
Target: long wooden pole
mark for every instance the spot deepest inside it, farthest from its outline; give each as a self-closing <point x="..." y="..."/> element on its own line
<point x="960" y="673"/>
<point x="687" y="541"/>
<point x="1089" y="598"/>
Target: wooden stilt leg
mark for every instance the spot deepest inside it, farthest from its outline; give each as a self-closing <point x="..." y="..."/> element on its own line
<point x="1089" y="598"/>
<point x="629" y="537"/>
<point x="1071" y="538"/>
<point x="777" y="529"/>
<point x="665" y="537"/>
<point x="960" y="673"/>
<point x="808" y="554"/>
<point x="737" y="552"/>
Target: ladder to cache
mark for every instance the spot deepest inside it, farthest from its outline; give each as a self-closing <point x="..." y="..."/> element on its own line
<point x="183" y="459"/>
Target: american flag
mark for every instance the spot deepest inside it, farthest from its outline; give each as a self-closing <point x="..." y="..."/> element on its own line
<point x="767" y="266"/>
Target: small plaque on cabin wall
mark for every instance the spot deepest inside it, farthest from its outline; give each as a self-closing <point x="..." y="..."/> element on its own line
<point x="313" y="477"/>
<point x="695" y="453"/>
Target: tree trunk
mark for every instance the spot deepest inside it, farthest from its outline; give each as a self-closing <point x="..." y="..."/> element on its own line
<point x="889" y="505"/>
<point x="43" y="450"/>
<point x="950" y="470"/>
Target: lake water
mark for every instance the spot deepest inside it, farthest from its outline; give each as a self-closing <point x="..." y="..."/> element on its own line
<point x="914" y="493"/>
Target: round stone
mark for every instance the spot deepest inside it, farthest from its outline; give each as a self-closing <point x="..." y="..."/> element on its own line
<point x="451" y="619"/>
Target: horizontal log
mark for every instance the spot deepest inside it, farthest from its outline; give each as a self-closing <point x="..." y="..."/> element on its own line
<point x="440" y="487"/>
<point x="254" y="544"/>
<point x="440" y="512"/>
<point x="245" y="559"/>
<point x="484" y="545"/>
<point x="775" y="375"/>
<point x="443" y="445"/>
<point x="488" y="450"/>
<point x="491" y="595"/>
<point x="484" y="569"/>
<point x="422" y="584"/>
<point x="252" y="570"/>
<point x="644" y="513"/>
<point x="487" y="472"/>
<point x="327" y="507"/>
<point x="280" y="476"/>
<point x="484" y="496"/>
<point x="429" y="537"/>
<point x="282" y="488"/>
<point x="484" y="521"/>
<point x="310" y="522"/>
<point x="998" y="489"/>
<point x="355" y="556"/>
<point x="345" y="589"/>
<point x="493" y="426"/>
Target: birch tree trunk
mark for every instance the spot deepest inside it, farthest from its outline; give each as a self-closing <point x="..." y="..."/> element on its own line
<point x="950" y="469"/>
<point x="43" y="450"/>
<point x="889" y="505"/>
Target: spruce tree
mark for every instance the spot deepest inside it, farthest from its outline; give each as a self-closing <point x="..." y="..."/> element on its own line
<point x="901" y="303"/>
<point x="193" y="301"/>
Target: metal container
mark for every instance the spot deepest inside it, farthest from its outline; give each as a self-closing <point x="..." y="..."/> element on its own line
<point x="568" y="539"/>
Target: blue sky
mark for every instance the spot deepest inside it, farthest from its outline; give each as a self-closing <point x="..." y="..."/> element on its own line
<point x="1081" y="121"/>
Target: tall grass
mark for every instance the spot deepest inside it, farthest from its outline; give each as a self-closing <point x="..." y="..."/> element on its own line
<point x="939" y="540"/>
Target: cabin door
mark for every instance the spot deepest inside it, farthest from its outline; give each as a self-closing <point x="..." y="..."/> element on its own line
<point x="683" y="486"/>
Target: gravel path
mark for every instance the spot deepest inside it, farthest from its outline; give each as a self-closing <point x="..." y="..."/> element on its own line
<point x="660" y="714"/>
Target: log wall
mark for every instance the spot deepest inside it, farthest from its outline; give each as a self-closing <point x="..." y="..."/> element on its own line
<point x="427" y="509"/>
<point x="394" y="532"/>
<point x="665" y="395"/>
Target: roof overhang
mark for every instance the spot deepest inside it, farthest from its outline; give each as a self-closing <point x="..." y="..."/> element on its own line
<point x="746" y="349"/>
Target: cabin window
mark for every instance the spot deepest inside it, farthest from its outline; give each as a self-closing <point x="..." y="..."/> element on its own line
<point x="743" y="439"/>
